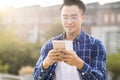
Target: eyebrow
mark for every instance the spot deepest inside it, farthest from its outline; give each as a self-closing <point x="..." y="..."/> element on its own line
<point x="71" y="15"/>
<point x="74" y="15"/>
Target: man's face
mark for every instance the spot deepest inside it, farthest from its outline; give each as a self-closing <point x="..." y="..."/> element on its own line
<point x="72" y="18"/>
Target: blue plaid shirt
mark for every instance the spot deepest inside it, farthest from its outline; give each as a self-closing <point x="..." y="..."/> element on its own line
<point x="87" y="48"/>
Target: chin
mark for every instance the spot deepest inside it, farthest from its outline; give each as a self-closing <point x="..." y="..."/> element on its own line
<point x="70" y="32"/>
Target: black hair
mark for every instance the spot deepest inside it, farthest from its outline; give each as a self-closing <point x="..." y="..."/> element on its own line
<point x="78" y="3"/>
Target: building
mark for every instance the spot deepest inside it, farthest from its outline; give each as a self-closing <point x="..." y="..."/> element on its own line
<point x="102" y="22"/>
<point x="105" y="24"/>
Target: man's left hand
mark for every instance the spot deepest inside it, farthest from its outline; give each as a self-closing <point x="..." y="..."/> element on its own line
<point x="71" y="58"/>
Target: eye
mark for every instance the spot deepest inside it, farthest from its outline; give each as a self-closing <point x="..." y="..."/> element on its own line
<point x="74" y="17"/>
<point x="65" y="18"/>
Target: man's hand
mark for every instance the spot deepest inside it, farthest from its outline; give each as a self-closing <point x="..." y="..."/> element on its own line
<point x="53" y="56"/>
<point x="57" y="55"/>
<point x="71" y="58"/>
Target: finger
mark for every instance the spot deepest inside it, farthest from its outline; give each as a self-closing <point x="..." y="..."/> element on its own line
<point x="64" y="51"/>
<point x="57" y="59"/>
<point x="57" y="55"/>
<point x="52" y="60"/>
<point x="59" y="50"/>
<point x="54" y="50"/>
<point x="68" y="62"/>
<point x="51" y="51"/>
<point x="69" y="52"/>
<point x="68" y="58"/>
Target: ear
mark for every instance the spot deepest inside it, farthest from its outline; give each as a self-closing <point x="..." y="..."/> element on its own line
<point x="83" y="18"/>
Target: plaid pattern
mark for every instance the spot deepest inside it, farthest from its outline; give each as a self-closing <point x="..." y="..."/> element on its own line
<point x="87" y="48"/>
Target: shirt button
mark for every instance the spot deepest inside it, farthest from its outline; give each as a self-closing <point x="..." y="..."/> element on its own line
<point x="83" y="73"/>
<point x="41" y="70"/>
<point x="50" y="74"/>
<point x="39" y="77"/>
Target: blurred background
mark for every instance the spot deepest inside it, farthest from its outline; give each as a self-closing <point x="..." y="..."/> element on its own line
<point x="25" y="25"/>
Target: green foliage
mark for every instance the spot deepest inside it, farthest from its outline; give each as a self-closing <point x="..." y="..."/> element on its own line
<point x="3" y="68"/>
<point x="113" y="63"/>
<point x="15" y="53"/>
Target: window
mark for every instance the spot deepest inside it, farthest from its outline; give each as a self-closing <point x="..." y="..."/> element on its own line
<point x="113" y="41"/>
<point x="112" y="18"/>
<point x="118" y="18"/>
<point x="106" y="18"/>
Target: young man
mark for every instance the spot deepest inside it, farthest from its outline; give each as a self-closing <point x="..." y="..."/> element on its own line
<point x="87" y="60"/>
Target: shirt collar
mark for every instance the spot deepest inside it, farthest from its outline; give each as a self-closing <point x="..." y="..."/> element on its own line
<point x="79" y="38"/>
<point x="81" y="35"/>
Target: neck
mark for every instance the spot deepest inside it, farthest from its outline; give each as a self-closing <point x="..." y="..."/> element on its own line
<point x="72" y="36"/>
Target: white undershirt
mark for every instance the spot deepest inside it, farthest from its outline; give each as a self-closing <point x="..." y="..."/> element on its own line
<point x="64" y="71"/>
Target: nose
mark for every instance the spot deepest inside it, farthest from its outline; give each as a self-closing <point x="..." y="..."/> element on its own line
<point x="69" y="21"/>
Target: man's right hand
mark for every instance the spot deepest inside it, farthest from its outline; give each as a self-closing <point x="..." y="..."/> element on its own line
<point x="54" y="55"/>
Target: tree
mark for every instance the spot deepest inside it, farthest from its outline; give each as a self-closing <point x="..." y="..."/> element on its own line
<point x="113" y="64"/>
<point x="3" y="68"/>
<point x="16" y="53"/>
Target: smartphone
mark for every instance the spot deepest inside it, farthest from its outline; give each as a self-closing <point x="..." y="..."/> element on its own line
<point x="59" y="44"/>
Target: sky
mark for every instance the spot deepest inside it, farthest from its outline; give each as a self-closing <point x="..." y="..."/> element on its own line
<point x="43" y="3"/>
